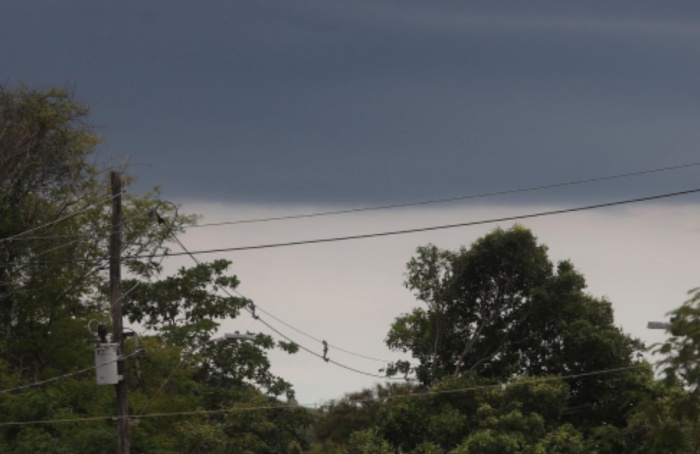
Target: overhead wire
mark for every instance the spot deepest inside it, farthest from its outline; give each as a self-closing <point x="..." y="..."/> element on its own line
<point x="406" y="231"/>
<point x="66" y="236"/>
<point x="331" y="361"/>
<point x="255" y="306"/>
<point x="23" y="236"/>
<point x="63" y="236"/>
<point x="61" y="377"/>
<point x="170" y="376"/>
<point x="100" y="261"/>
<point x="335" y="347"/>
<point x="78" y="372"/>
<point x="608" y="204"/>
<point x="396" y="232"/>
<point x="292" y="405"/>
<point x="451" y="199"/>
<point x="351" y="237"/>
<point x="306" y="349"/>
<point x="161" y="388"/>
<point x="191" y="254"/>
<point x="56" y="248"/>
<point x="432" y="228"/>
<point x="61" y="219"/>
<point x="94" y="234"/>
<point x="68" y="375"/>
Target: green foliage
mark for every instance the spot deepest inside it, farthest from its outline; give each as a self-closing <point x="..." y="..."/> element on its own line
<point x="44" y="177"/>
<point x="460" y="413"/>
<point x="55" y="219"/>
<point x="501" y="308"/>
<point x="498" y="309"/>
<point x="489" y="441"/>
<point x="680" y="365"/>
<point x="498" y="326"/>
<point x="505" y="340"/>
<point x="47" y="179"/>
<point x="327" y="447"/>
<point x="240" y="430"/>
<point x="368" y="442"/>
<point x="183" y="308"/>
<point x="427" y="447"/>
<point x="355" y="412"/>
<point x="563" y="440"/>
<point x="672" y="418"/>
<point x="402" y="422"/>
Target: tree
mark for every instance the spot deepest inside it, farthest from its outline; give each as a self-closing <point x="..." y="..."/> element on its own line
<point x="672" y="419"/>
<point x="501" y="309"/>
<point x="368" y="442"/>
<point x="54" y="230"/>
<point x="680" y="364"/>
<point x="477" y="301"/>
<point x="469" y="414"/>
<point x="44" y="178"/>
<point x="52" y="224"/>
<point x="358" y="411"/>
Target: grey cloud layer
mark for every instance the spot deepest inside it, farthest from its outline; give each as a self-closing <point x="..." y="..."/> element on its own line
<point x="363" y="102"/>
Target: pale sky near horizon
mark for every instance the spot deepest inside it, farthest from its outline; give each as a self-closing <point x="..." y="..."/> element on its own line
<point x="639" y="257"/>
<point x="265" y="108"/>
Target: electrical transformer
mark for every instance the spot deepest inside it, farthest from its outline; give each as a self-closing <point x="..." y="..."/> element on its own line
<point x="106" y="356"/>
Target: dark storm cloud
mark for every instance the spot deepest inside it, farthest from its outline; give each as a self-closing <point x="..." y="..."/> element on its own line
<point x="362" y="102"/>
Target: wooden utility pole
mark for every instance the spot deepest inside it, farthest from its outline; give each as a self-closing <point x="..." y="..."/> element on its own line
<point x="115" y="276"/>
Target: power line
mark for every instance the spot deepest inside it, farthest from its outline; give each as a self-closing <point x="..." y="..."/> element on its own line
<point x="78" y="372"/>
<point x="96" y="234"/>
<point x="65" y="236"/>
<point x="255" y="306"/>
<point x="335" y="347"/>
<point x="428" y="229"/>
<point x="49" y="380"/>
<point x="451" y="199"/>
<point x="161" y="387"/>
<point x="181" y="362"/>
<point x="362" y="209"/>
<point x="55" y="248"/>
<point x="60" y="377"/>
<point x="352" y="369"/>
<point x="61" y="219"/>
<point x="290" y="405"/>
<point x="308" y="350"/>
<point x="393" y="232"/>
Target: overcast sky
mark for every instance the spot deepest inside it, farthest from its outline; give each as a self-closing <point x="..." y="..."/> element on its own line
<point x="368" y="101"/>
<point x="266" y="108"/>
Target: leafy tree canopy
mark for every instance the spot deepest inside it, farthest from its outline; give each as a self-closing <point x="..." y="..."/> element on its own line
<point x="501" y="309"/>
<point x="55" y="221"/>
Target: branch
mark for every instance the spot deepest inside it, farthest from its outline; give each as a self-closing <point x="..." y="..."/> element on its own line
<point x="489" y="357"/>
<point x="470" y="344"/>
